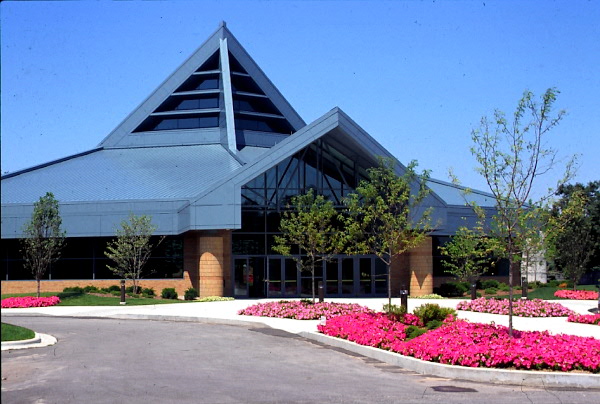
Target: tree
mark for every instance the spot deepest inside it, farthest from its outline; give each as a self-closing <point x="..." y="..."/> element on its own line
<point x="468" y="254"/>
<point x="572" y="233"/>
<point x="309" y="224"/>
<point x="44" y="239"/>
<point x="132" y="248"/>
<point x="384" y="216"/>
<point x="511" y="157"/>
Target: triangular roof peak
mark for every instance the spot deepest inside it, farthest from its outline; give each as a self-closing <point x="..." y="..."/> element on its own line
<point x="218" y="95"/>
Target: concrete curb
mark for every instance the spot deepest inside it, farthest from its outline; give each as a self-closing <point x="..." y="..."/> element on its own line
<point x="484" y="375"/>
<point x="40" y="340"/>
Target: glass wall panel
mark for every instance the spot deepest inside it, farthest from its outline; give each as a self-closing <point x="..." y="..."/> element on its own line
<point x="347" y="276"/>
<point x="275" y="277"/>
<point x="291" y="278"/>
<point x="380" y="277"/>
<point x="366" y="277"/>
<point x="332" y="277"/>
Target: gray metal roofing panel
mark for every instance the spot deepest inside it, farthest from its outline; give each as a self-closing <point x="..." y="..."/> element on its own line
<point x="125" y="174"/>
<point x="458" y="195"/>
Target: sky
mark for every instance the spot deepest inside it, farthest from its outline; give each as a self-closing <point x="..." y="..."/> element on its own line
<point x="416" y="75"/>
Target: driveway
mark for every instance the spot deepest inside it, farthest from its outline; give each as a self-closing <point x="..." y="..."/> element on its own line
<point x="100" y="360"/>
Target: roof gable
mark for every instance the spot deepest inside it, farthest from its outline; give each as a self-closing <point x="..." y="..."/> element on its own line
<point x="219" y="95"/>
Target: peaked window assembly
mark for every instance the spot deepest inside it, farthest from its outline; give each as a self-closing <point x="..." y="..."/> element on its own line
<point x="195" y="104"/>
<point x="198" y="102"/>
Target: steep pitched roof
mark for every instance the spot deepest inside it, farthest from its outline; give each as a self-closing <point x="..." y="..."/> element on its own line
<point x="218" y="95"/>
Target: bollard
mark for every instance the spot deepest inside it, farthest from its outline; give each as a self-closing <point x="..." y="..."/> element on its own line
<point x="321" y="292"/>
<point x="123" y="292"/>
<point x="473" y="291"/>
<point x="404" y="299"/>
<point x="524" y="287"/>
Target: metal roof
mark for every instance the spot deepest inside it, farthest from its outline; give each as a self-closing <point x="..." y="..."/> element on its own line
<point x="457" y="195"/>
<point x="124" y="174"/>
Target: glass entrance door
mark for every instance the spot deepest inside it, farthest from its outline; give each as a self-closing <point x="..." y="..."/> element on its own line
<point x="249" y="277"/>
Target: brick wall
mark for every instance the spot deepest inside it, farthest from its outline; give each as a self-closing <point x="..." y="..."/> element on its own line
<point x="53" y="286"/>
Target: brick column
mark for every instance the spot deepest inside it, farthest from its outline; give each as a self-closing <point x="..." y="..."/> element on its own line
<point x="421" y="269"/>
<point x="207" y="259"/>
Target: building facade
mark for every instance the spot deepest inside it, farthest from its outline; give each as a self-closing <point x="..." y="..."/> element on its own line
<point x="213" y="155"/>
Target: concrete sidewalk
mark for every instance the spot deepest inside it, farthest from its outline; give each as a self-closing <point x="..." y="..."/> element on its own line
<point x="226" y="313"/>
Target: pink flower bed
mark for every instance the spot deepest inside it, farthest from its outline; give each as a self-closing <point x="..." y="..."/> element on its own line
<point x="584" y="318"/>
<point x="576" y="294"/>
<point x="29" y="301"/>
<point x="301" y="310"/>
<point x="471" y="344"/>
<point x="521" y="308"/>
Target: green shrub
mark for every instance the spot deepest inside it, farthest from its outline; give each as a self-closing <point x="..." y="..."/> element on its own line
<point x="169" y="293"/>
<point x="394" y="311"/>
<point x="129" y="289"/>
<point x="74" y="289"/>
<point x="503" y="287"/>
<point x="91" y="289"/>
<point x="412" y="331"/>
<point x="115" y="292"/>
<point x="452" y="289"/>
<point x="490" y="283"/>
<point x="148" y="292"/>
<point x="431" y="311"/>
<point x="491" y="291"/>
<point x="190" y="294"/>
<point x="433" y="324"/>
<point x="113" y="288"/>
<point x="553" y="283"/>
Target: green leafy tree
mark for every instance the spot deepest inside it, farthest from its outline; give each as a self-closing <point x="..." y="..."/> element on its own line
<point x="131" y="248"/>
<point x="571" y="237"/>
<point x="512" y="155"/>
<point x="44" y="239"/>
<point x="310" y="224"/>
<point x="468" y="253"/>
<point x="384" y="216"/>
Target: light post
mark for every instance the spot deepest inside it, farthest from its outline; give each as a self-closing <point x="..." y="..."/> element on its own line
<point x="404" y="298"/>
<point x="123" y="292"/>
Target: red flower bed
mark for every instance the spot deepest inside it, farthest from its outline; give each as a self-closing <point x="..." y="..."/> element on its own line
<point x="521" y="308"/>
<point x="577" y="294"/>
<point x="584" y="318"/>
<point x="29" y="301"/>
<point x="302" y="310"/>
<point x="471" y="344"/>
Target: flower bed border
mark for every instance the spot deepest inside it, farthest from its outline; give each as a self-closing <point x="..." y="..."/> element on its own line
<point x="484" y="375"/>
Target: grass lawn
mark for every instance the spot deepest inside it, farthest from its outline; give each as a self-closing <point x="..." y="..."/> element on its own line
<point x="547" y="293"/>
<point x="91" y="300"/>
<point x="15" y="333"/>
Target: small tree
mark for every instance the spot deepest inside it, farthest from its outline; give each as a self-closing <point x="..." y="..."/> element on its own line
<point x="132" y="248"/>
<point x="468" y="253"/>
<point x="44" y="239"/>
<point x="383" y="216"/>
<point x="511" y="156"/>
<point x="570" y="236"/>
<point x="310" y="224"/>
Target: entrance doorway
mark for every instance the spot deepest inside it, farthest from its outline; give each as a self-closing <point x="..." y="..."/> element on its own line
<point x="249" y="277"/>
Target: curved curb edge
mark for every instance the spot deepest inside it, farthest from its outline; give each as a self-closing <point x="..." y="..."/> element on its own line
<point x="40" y="340"/>
<point x="485" y="375"/>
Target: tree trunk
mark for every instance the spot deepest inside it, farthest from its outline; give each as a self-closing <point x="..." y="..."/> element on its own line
<point x="389" y="283"/>
<point x="510" y="296"/>
<point x="313" y="281"/>
<point x="38" y="287"/>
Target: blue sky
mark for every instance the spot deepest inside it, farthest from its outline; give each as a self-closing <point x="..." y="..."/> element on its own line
<point x="416" y="75"/>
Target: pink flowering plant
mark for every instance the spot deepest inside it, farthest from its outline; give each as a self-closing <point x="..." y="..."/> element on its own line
<point x="576" y="294"/>
<point x="521" y="308"/>
<point x="584" y="318"/>
<point x="29" y="301"/>
<point x="302" y="309"/>
<point x="458" y="342"/>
